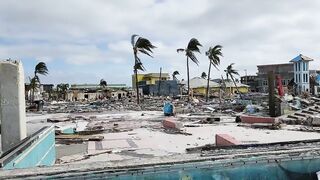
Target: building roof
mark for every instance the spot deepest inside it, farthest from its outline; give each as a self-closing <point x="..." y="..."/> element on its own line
<point x="96" y="86"/>
<point x="198" y="82"/>
<point x="301" y="57"/>
<point x="231" y="84"/>
<point x="275" y="64"/>
<point x="157" y="75"/>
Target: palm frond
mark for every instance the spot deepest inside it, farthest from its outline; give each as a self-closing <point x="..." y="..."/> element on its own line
<point x="103" y="83"/>
<point x="143" y="43"/>
<point x="41" y="68"/>
<point x="180" y="50"/>
<point x="193" y="45"/>
<point x="175" y="73"/>
<point x="139" y="66"/>
<point x="230" y="71"/>
<point x="145" y="52"/>
<point x="132" y="39"/>
<point x="204" y="75"/>
<point x="191" y="55"/>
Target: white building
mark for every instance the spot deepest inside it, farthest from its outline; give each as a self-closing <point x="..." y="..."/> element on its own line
<point x="301" y="73"/>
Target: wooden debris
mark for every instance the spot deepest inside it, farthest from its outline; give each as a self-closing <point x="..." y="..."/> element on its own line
<point x="79" y="138"/>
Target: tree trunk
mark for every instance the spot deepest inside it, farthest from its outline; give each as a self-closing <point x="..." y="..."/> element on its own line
<point x="136" y="76"/>
<point x="32" y="95"/>
<point x="188" y="79"/>
<point x="236" y="87"/>
<point x="207" y="93"/>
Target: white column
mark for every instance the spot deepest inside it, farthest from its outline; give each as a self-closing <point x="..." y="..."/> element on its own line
<point x="12" y="104"/>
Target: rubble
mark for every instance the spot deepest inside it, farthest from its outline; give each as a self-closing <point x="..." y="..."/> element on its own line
<point x="172" y="124"/>
<point x="225" y="140"/>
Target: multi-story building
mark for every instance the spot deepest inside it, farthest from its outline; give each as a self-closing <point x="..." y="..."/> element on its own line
<point x="149" y="78"/>
<point x="284" y="71"/>
<point x="301" y="73"/>
<point x="251" y="81"/>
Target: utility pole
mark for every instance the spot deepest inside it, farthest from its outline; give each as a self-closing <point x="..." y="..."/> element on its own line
<point x="159" y="81"/>
<point x="246" y="76"/>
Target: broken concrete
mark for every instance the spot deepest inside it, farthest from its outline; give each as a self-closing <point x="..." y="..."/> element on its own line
<point x="256" y="119"/>
<point x="171" y="123"/>
<point x="225" y="140"/>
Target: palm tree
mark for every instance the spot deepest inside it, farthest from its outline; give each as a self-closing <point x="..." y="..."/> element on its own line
<point x="231" y="72"/>
<point x="34" y="83"/>
<point x="214" y="59"/>
<point x="204" y="75"/>
<point x="41" y="68"/>
<point x="144" y="46"/>
<point x="174" y="74"/>
<point x="193" y="46"/>
<point x="62" y="89"/>
<point x="103" y="83"/>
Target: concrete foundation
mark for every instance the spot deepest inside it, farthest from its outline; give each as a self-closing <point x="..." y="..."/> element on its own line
<point x="12" y="104"/>
<point x="257" y="119"/>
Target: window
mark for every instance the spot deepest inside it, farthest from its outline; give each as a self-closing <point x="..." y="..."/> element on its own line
<point x="299" y="65"/>
<point x="283" y="82"/>
<point x="299" y="78"/>
<point x="265" y="83"/>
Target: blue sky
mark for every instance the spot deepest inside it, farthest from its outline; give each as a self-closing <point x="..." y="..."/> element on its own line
<point x="83" y="41"/>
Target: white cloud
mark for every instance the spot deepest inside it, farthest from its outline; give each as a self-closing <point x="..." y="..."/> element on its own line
<point x="82" y="32"/>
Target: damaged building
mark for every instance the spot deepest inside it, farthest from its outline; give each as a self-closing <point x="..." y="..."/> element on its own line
<point x="81" y="92"/>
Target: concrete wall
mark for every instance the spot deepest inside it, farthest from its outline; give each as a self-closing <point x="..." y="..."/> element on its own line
<point x="81" y="96"/>
<point x="167" y="88"/>
<point x="12" y="104"/>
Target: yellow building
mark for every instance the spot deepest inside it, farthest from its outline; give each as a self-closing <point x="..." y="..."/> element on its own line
<point x="149" y="78"/>
<point x="199" y="86"/>
<point x="231" y="88"/>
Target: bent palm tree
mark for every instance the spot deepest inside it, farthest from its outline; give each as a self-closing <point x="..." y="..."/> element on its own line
<point x="214" y="59"/>
<point x="174" y="74"/>
<point x="144" y="46"/>
<point x="41" y="68"/>
<point x="193" y="46"/>
<point x="231" y="72"/>
<point x="204" y="75"/>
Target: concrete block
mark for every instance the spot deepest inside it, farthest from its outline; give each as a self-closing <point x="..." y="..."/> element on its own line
<point x="256" y="119"/>
<point x="171" y="123"/>
<point x="12" y="104"/>
<point x="316" y="120"/>
<point x="225" y="140"/>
